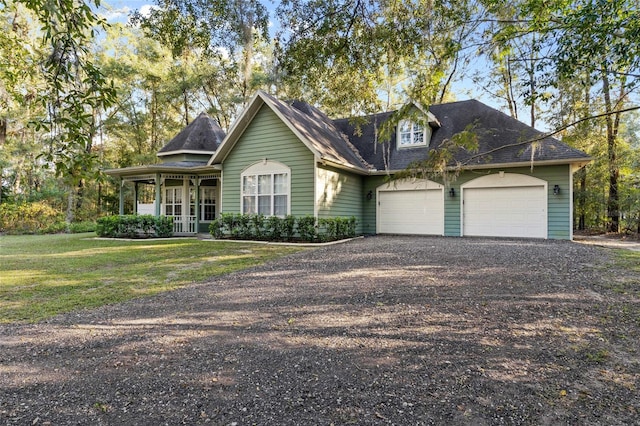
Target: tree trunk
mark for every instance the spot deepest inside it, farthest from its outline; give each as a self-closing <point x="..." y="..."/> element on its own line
<point x="70" y="204"/>
<point x="613" y="200"/>
<point x="3" y="130"/>
<point x="582" y="202"/>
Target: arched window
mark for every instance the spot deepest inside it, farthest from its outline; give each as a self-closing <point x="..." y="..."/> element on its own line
<point x="265" y="189"/>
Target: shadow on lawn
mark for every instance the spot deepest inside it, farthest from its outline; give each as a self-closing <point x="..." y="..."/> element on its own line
<point x="426" y="333"/>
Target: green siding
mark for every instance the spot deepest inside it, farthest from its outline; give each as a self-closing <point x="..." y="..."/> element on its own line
<point x="268" y="137"/>
<point x="558" y="207"/>
<point x="339" y="193"/>
<point x="369" y="206"/>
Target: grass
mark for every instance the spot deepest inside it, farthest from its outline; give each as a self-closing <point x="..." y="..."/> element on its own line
<point x="45" y="275"/>
<point x="628" y="259"/>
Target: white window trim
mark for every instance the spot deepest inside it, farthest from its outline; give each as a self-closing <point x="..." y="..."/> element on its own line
<point x="173" y="188"/>
<point x="266" y="167"/>
<point x="426" y="135"/>
<point x="202" y="204"/>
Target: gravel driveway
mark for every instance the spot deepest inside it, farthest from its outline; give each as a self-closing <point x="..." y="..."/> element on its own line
<point x="381" y="330"/>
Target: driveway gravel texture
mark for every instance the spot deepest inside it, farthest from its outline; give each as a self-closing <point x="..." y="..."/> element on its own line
<point x="380" y="330"/>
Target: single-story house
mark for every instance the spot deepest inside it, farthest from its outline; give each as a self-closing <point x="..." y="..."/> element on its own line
<point x="283" y="158"/>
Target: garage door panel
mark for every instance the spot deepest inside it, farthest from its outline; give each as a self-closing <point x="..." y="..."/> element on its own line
<point x="411" y="212"/>
<point x="505" y="212"/>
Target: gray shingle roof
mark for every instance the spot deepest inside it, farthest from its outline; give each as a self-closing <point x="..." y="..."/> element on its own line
<point x="202" y="134"/>
<point x="499" y="135"/>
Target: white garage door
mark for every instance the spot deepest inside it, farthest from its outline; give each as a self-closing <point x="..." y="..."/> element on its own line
<point x="505" y="212"/>
<point x="417" y="212"/>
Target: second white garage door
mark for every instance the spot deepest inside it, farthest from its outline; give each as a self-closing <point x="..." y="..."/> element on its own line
<point x="418" y="212"/>
<point x="505" y="212"/>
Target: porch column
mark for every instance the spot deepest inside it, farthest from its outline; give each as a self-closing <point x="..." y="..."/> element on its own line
<point x="197" y="186"/>
<point x="186" y="204"/>
<point x="158" y="200"/>
<point x="135" y="198"/>
<point x="121" y="211"/>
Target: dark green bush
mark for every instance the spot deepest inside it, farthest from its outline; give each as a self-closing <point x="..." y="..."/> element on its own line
<point x="274" y="228"/>
<point x="134" y="226"/>
<point x="80" y="227"/>
<point x="289" y="228"/>
<point x="307" y="228"/>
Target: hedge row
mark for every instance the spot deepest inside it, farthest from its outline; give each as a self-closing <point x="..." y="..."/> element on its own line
<point x="30" y="218"/>
<point x="135" y="226"/>
<point x="289" y="228"/>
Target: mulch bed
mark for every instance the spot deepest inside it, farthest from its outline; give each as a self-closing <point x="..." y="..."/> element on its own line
<point x="381" y="330"/>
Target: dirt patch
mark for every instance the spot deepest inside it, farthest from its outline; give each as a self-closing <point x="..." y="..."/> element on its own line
<point x="383" y="330"/>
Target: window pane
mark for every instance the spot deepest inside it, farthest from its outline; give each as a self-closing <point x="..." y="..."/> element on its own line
<point x="249" y="205"/>
<point x="177" y="210"/>
<point x="208" y="195"/>
<point x="249" y="185"/>
<point x="168" y="196"/>
<point x="418" y="136"/>
<point x="405" y="139"/>
<point x="280" y="183"/>
<point x="280" y="205"/>
<point x="209" y="212"/>
<point x="264" y="184"/>
<point x="264" y="204"/>
<point x="168" y="210"/>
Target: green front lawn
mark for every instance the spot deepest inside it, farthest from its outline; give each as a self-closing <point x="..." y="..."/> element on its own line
<point x="44" y="275"/>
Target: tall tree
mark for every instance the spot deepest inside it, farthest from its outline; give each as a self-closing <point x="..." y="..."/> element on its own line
<point x="226" y="30"/>
<point x="339" y="53"/>
<point x="74" y="91"/>
<point x="599" y="38"/>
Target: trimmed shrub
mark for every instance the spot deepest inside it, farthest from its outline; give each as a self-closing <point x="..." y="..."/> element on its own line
<point x="307" y="228"/>
<point x="134" y="226"/>
<point x="289" y="228"/>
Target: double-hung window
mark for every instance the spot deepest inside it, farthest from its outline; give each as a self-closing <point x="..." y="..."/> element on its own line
<point x="265" y="191"/>
<point x="412" y="134"/>
<point x="173" y="201"/>
<point x="207" y="203"/>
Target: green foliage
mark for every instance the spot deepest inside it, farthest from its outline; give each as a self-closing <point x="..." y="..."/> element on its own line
<point x="134" y="226"/>
<point x="337" y="228"/>
<point x="81" y="227"/>
<point x="289" y="228"/>
<point x="30" y="218"/>
<point x="275" y="228"/>
<point x="306" y="228"/>
<point x="343" y="55"/>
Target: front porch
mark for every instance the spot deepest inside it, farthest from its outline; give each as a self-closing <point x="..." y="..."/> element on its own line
<point x="190" y="199"/>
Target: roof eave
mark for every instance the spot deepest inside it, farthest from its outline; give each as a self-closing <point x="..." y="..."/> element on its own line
<point x="577" y="162"/>
<point x="159" y="168"/>
<point x="185" y="151"/>
<point x="528" y="163"/>
<point x="343" y="166"/>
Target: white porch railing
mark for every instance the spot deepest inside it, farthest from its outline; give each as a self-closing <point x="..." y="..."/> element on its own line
<point x="184" y="224"/>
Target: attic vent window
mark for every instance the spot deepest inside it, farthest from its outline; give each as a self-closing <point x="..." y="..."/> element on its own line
<point x="412" y="134"/>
